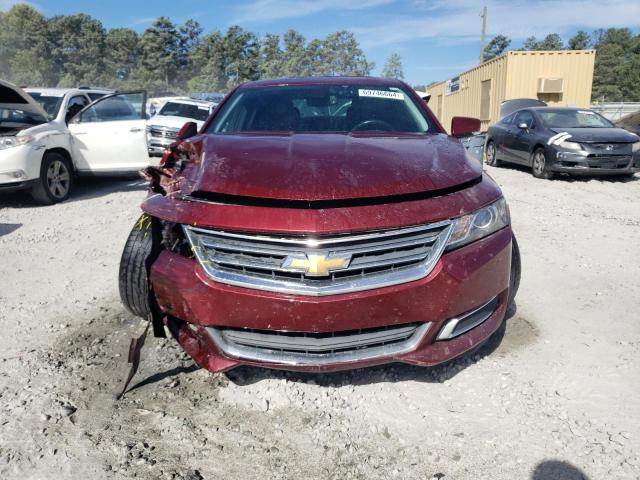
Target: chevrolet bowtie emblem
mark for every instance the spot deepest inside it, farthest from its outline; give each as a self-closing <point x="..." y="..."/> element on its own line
<point x="316" y="264"/>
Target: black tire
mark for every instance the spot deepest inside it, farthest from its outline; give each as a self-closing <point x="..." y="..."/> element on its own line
<point x="490" y="154"/>
<point x="56" y="179"/>
<point x="138" y="255"/>
<point x="516" y="270"/>
<point x="539" y="165"/>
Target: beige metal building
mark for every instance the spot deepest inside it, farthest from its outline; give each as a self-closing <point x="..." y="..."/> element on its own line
<point x="560" y="77"/>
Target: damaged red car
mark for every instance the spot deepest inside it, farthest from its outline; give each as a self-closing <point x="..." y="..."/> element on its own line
<point x="322" y="224"/>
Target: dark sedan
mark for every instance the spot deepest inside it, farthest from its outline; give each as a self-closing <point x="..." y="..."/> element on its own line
<point x="563" y="140"/>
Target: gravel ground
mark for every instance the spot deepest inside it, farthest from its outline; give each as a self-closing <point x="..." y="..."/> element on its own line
<point x="555" y="398"/>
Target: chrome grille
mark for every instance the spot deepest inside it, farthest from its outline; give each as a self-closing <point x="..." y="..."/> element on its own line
<point x="294" y="348"/>
<point x="164" y="132"/>
<point x="320" y="266"/>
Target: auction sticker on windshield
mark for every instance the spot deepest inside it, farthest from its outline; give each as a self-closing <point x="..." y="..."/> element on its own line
<point x="380" y="94"/>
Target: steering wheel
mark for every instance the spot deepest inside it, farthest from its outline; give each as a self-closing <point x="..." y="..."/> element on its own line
<point x="386" y="127"/>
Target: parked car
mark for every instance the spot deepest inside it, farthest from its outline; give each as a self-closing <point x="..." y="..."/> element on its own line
<point x="568" y="140"/>
<point x="50" y="136"/>
<point x="163" y="126"/>
<point x="474" y="144"/>
<point x="322" y="224"/>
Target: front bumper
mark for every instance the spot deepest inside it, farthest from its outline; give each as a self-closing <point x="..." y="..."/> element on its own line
<point x="573" y="163"/>
<point x="461" y="281"/>
<point x="20" y="166"/>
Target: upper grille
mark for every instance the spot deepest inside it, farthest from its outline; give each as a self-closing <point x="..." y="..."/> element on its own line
<point x="320" y="266"/>
<point x="165" y="132"/>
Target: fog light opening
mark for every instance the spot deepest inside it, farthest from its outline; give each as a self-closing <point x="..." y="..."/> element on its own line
<point x="462" y="324"/>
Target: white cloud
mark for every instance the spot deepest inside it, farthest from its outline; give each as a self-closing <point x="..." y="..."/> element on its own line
<point x="267" y="10"/>
<point x="458" y="21"/>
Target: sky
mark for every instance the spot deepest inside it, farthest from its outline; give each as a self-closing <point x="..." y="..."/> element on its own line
<point x="436" y="39"/>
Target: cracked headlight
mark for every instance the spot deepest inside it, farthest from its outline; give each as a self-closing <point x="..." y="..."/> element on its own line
<point x="479" y="224"/>
<point x="8" y="142"/>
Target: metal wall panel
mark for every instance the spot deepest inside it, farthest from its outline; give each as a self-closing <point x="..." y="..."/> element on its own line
<point x="515" y="75"/>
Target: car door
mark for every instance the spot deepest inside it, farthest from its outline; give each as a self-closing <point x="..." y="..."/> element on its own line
<point x="509" y="137"/>
<point x="523" y="137"/>
<point x="109" y="135"/>
<point x="498" y="133"/>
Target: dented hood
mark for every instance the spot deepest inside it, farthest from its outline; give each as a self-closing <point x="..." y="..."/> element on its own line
<point x="14" y="98"/>
<point x="329" y="166"/>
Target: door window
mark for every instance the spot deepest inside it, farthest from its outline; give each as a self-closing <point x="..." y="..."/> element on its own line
<point x="525" y="117"/>
<point x="76" y="104"/>
<point x="123" y="106"/>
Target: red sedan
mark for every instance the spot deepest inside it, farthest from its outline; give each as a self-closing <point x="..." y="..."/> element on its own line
<point x="322" y="224"/>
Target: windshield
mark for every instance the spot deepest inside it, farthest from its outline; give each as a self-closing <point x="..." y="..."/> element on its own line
<point x="11" y="117"/>
<point x="186" y="110"/>
<point x="50" y="103"/>
<point x="321" y="109"/>
<point x="573" y="119"/>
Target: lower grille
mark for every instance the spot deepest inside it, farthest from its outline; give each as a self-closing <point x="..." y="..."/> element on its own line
<point x="320" y="266"/>
<point x="294" y="348"/>
<point x="609" y="161"/>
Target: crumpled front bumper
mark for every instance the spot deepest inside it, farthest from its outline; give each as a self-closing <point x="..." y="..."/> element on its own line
<point x="573" y="163"/>
<point x="462" y="280"/>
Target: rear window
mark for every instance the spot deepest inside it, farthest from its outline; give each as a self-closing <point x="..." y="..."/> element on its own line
<point x="321" y="109"/>
<point x="186" y="110"/>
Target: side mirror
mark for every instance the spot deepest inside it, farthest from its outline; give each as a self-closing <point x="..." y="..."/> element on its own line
<point x="461" y="126"/>
<point x="523" y="126"/>
<point x="188" y="130"/>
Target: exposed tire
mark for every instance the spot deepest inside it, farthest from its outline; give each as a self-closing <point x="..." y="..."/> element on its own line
<point x="491" y="154"/>
<point x="138" y="255"/>
<point x="56" y="179"/>
<point x="516" y="270"/>
<point x="539" y="165"/>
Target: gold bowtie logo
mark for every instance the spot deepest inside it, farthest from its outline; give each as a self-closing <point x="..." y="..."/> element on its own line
<point x="316" y="264"/>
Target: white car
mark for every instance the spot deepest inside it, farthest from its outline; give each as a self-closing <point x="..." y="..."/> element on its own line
<point x="48" y="137"/>
<point x="162" y="129"/>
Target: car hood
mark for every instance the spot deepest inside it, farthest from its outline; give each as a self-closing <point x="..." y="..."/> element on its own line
<point x="599" y="135"/>
<point x="329" y="166"/>
<point x="13" y="97"/>
<point x="172" y="121"/>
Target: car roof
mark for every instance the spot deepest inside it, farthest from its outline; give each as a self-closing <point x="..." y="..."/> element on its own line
<point x="59" y="92"/>
<point x="299" y="81"/>
<point x="191" y="101"/>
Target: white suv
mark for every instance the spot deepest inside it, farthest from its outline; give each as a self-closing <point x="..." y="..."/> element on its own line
<point x="49" y="136"/>
<point x="162" y="129"/>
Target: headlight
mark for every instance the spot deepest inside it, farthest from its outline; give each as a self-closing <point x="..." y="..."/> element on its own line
<point x="8" y="142"/>
<point x="571" y="146"/>
<point x="479" y="224"/>
<point x="635" y="147"/>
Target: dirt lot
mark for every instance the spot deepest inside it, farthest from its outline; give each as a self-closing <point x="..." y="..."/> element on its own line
<point x="556" y="398"/>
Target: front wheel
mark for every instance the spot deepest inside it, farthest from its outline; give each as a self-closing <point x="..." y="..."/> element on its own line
<point x="540" y="167"/>
<point x="516" y="269"/>
<point x="137" y="256"/>
<point x="56" y="180"/>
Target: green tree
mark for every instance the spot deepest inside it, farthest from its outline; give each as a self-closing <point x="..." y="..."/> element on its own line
<point x="617" y="68"/>
<point x="271" y="57"/>
<point x="580" y="41"/>
<point x="241" y="55"/>
<point x="496" y="47"/>
<point x="551" y="42"/>
<point x="208" y="65"/>
<point x="159" y="47"/>
<point x="530" y="43"/>
<point x="25" y="56"/>
<point x="344" y="55"/>
<point x="122" y="52"/>
<point x="393" y="67"/>
<point x="77" y="49"/>
<point x="295" y="54"/>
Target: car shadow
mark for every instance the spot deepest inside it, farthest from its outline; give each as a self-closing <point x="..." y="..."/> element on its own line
<point x="557" y="469"/>
<point x="85" y="188"/>
<point x="157" y="377"/>
<point x="389" y="373"/>
<point x="574" y="178"/>
<point x="7" y="228"/>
